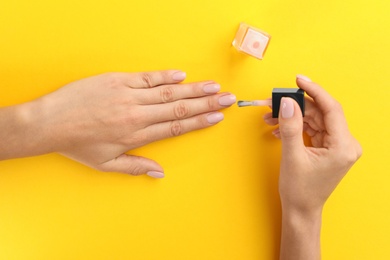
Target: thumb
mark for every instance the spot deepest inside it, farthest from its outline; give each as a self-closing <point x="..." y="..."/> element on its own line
<point x="133" y="165"/>
<point x="290" y="125"/>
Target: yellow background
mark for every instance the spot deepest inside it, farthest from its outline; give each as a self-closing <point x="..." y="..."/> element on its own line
<point x="219" y="199"/>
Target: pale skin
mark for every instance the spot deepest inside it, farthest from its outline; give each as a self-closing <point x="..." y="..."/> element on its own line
<point x="97" y="120"/>
<point x="308" y="175"/>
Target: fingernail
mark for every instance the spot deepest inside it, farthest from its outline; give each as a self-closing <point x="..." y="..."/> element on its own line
<point x="287" y="107"/>
<point x="179" y="76"/>
<point x="215" y="117"/>
<point x="227" y="100"/>
<point x="211" y="88"/>
<point x="302" y="77"/>
<point x="155" y="174"/>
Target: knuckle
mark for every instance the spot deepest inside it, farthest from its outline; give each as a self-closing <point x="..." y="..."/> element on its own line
<point x="211" y="105"/>
<point x="175" y="128"/>
<point x="146" y="79"/>
<point x="359" y="150"/>
<point x="134" y="170"/>
<point x="197" y="88"/>
<point x="167" y="94"/>
<point x="350" y="156"/>
<point x="181" y="110"/>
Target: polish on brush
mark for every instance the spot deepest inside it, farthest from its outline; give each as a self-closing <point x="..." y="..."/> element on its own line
<point x="267" y="102"/>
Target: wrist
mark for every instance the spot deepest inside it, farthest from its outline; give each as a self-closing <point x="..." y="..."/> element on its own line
<point x="301" y="232"/>
<point x="311" y="211"/>
<point x="300" y="218"/>
<point x="23" y="132"/>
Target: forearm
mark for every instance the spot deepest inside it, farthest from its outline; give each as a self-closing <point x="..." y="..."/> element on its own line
<point x="300" y="235"/>
<point x="22" y="132"/>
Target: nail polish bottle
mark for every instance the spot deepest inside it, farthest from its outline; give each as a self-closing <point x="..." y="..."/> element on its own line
<point x="251" y="41"/>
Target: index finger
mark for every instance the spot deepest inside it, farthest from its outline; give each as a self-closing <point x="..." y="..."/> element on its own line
<point x="332" y="111"/>
<point x="151" y="79"/>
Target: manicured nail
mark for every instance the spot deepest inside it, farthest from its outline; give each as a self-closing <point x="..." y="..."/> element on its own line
<point x="227" y="100"/>
<point x="155" y="174"/>
<point x="179" y="76"/>
<point x="211" y="88"/>
<point x="215" y="117"/>
<point x="287" y="107"/>
<point x="302" y="77"/>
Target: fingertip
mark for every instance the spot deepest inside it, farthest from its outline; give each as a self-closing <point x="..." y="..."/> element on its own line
<point x="155" y="174"/>
<point x="290" y="122"/>
<point x="304" y="82"/>
<point x="179" y="75"/>
<point x="320" y="96"/>
<point x="227" y="99"/>
<point x="276" y="133"/>
<point x="287" y="108"/>
<point x="211" y="87"/>
<point x="267" y="116"/>
<point x="215" y="117"/>
<point x="303" y="77"/>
